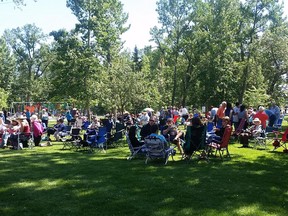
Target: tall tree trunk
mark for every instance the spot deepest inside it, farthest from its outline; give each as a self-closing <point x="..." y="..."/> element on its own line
<point x="174" y="80"/>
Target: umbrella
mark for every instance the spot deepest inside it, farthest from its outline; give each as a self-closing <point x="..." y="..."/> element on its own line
<point x="148" y="109"/>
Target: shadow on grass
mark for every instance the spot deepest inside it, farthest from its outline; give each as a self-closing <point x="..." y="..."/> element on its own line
<point x="54" y="182"/>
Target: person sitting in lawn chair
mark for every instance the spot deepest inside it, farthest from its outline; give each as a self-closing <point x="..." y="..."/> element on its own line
<point x="25" y="131"/>
<point x="172" y="134"/>
<point x="217" y="134"/>
<point x="90" y="135"/>
<point x="60" y="129"/>
<point x="252" y="132"/>
<point x="13" y="130"/>
<point x="132" y="134"/>
<point x="146" y="129"/>
<point x="155" y="133"/>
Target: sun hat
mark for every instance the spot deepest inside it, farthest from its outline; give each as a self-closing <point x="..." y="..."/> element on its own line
<point x="34" y="117"/>
<point x="21" y="117"/>
<point x="226" y="118"/>
<point x="256" y="120"/>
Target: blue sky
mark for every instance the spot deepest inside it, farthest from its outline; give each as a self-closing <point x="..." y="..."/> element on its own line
<point x="53" y="15"/>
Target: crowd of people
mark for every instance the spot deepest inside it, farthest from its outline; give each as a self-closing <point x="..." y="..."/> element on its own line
<point x="141" y="125"/>
<point x="253" y="122"/>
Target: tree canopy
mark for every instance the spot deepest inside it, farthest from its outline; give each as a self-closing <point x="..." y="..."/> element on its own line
<point x="206" y="51"/>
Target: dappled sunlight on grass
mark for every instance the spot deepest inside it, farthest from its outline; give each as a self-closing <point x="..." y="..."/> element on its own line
<point x="253" y="182"/>
<point x="193" y="182"/>
<point x="168" y="200"/>
<point x="252" y="209"/>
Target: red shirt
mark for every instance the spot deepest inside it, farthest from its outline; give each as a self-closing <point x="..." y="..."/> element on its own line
<point x="221" y="112"/>
<point x="263" y="118"/>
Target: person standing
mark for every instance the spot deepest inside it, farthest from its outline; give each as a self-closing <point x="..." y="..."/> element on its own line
<point x="28" y="116"/>
<point x="45" y="117"/>
<point x="276" y="111"/>
<point x="243" y="114"/>
<point x="235" y="118"/>
<point x="37" y="129"/>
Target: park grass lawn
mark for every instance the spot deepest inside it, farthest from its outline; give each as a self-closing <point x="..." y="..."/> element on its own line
<point x="51" y="181"/>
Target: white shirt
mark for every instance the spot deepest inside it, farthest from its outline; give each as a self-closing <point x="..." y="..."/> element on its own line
<point x="235" y="117"/>
<point x="184" y="111"/>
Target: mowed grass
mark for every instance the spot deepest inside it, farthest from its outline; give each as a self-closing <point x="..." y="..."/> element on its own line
<point x="51" y="181"/>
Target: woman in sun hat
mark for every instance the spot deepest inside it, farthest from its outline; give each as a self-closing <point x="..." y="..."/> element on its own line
<point x="262" y="116"/>
<point x="251" y="132"/>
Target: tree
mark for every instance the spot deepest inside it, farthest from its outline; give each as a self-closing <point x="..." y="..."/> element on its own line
<point x="18" y="2"/>
<point x="7" y="66"/>
<point x="136" y="59"/>
<point x="27" y="44"/>
<point x="3" y="98"/>
<point x="255" y="19"/>
<point x="69" y="77"/>
<point x="174" y="18"/>
<point x="101" y="22"/>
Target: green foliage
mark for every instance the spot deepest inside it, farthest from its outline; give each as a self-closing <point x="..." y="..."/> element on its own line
<point x="7" y="66"/>
<point x="207" y="51"/>
<point x="3" y="98"/>
<point x="256" y="96"/>
<point x="31" y="54"/>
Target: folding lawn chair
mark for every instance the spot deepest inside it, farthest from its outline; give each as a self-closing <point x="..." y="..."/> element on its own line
<point x="281" y="142"/>
<point x="98" y="141"/>
<point x="75" y="139"/>
<point x="222" y="146"/>
<point x="279" y="123"/>
<point x="27" y="138"/>
<point x="134" y="151"/>
<point x="195" y="142"/>
<point x="157" y="149"/>
<point x="240" y="128"/>
<point x="210" y="126"/>
<point x="120" y="128"/>
<point x="260" y="141"/>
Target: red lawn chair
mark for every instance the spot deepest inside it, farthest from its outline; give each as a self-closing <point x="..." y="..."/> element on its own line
<point x="280" y="142"/>
<point x="223" y="145"/>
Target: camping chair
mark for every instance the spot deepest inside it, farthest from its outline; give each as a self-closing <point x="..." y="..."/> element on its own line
<point x="74" y="140"/>
<point x="222" y="146"/>
<point x="260" y="141"/>
<point x="276" y="127"/>
<point x="157" y="149"/>
<point x="134" y="151"/>
<point x="279" y="123"/>
<point x="210" y="126"/>
<point x="25" y="137"/>
<point x="239" y="129"/>
<point x="98" y="141"/>
<point x="85" y="125"/>
<point x="65" y="133"/>
<point x="280" y="142"/>
<point x="120" y="128"/>
<point x="195" y="141"/>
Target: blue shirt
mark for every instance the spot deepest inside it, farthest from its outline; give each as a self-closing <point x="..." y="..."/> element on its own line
<point x="269" y="112"/>
<point x="161" y="137"/>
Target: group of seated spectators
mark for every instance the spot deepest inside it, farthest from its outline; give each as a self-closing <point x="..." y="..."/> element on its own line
<point x="145" y="123"/>
<point x="18" y="131"/>
<point x="223" y="117"/>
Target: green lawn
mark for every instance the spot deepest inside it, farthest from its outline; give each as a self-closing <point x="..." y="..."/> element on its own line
<point x="51" y="181"/>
